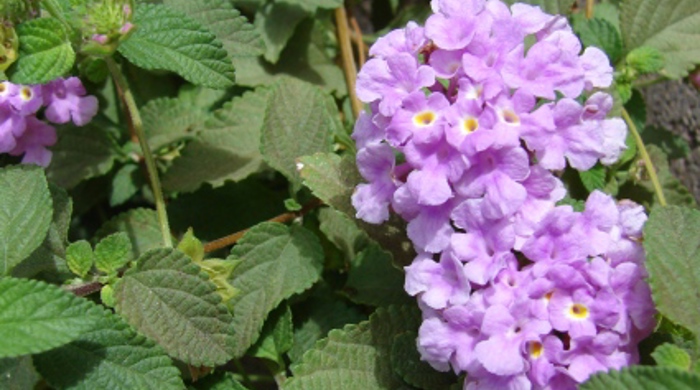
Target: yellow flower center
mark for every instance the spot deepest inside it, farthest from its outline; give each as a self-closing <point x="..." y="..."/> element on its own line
<point x="535" y="348"/>
<point x="26" y="93"/>
<point x="470" y="125"/>
<point x="578" y="311"/>
<point x="424" y="118"/>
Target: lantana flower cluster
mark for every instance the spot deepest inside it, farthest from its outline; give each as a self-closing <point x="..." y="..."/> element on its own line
<point x="469" y="116"/>
<point x="22" y="133"/>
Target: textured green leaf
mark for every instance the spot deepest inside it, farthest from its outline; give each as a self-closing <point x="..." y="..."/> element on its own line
<point x="343" y="232"/>
<point x="167" y="120"/>
<point x="81" y="153"/>
<point x="17" y="373"/>
<point x="125" y="184"/>
<point x="274" y="263"/>
<point x="670" y="355"/>
<point x="142" y="227"/>
<point x="373" y="280"/>
<point x="297" y="123"/>
<point x="276" y="337"/>
<point x="168" y="40"/>
<point x="673" y="261"/>
<point x="331" y="178"/>
<point x="240" y="38"/>
<point x="112" y="253"/>
<point x="357" y="357"/>
<point x="80" y="257"/>
<point x="45" y="52"/>
<point x="594" y="178"/>
<point x="671" y="26"/>
<point x="407" y="364"/>
<point x="110" y="356"/>
<point x="35" y="317"/>
<point x="645" y="59"/>
<point x="643" y="378"/>
<point x="275" y="22"/>
<point x="48" y="260"/>
<point x="561" y="7"/>
<point x="676" y="193"/>
<point x="671" y="144"/>
<point x="304" y="57"/>
<point x="227" y="148"/>
<point x="25" y="213"/>
<point x="167" y="298"/>
<point x="599" y="33"/>
<point x="316" y="316"/>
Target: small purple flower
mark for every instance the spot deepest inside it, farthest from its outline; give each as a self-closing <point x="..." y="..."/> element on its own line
<point x="33" y="142"/>
<point x="66" y="100"/>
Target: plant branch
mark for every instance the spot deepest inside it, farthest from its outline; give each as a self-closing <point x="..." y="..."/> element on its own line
<point x="361" y="47"/>
<point x="645" y="157"/>
<point x="137" y="124"/>
<point x="341" y="22"/>
<point x="85" y="289"/>
<point x="282" y="218"/>
<point x="589" y="8"/>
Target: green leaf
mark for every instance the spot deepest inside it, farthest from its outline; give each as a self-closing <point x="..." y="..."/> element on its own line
<point x="18" y="373"/>
<point x="672" y="145"/>
<point x="669" y="355"/>
<point x="594" y="178"/>
<point x="112" y="253"/>
<point x="343" y="232"/>
<point x="168" y="120"/>
<point x="407" y="363"/>
<point x="227" y="148"/>
<point x="599" y="33"/>
<point x="561" y="7"/>
<point x="313" y="5"/>
<point x="168" y="40"/>
<point x="48" y="260"/>
<point x="275" y="22"/>
<point x="25" y="213"/>
<point x="316" y="316"/>
<point x="676" y="193"/>
<point x="125" y="184"/>
<point x="142" y="227"/>
<point x="167" y="298"/>
<point x="110" y="356"/>
<point x="35" y="317"/>
<point x="331" y="178"/>
<point x="80" y="257"/>
<point x="276" y="337"/>
<point x="274" y="263"/>
<point x="240" y="38"/>
<point x="645" y="59"/>
<point x="373" y="280"/>
<point x="81" y="153"/>
<point x="643" y="378"/>
<point x="304" y="57"/>
<point x="670" y="26"/>
<point x="673" y="262"/>
<point x="45" y="52"/>
<point x="297" y="123"/>
<point x="357" y="357"/>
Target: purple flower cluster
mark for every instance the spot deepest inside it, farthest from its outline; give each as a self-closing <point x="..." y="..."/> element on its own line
<point x="21" y="132"/>
<point x="468" y="117"/>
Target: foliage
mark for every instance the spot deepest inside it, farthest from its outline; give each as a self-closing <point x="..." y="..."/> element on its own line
<point x="244" y="108"/>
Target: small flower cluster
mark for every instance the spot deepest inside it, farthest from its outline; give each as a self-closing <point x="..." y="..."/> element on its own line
<point x="21" y="132"/>
<point x="468" y="117"/>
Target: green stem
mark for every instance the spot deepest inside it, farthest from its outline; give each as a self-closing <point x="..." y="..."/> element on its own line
<point x="645" y="157"/>
<point x="137" y="124"/>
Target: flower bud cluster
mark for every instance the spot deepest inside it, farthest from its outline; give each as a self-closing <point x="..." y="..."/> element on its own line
<point x="21" y="132"/>
<point x="468" y="118"/>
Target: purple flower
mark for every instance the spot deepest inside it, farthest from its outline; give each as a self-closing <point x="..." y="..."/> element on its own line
<point x="406" y="40"/>
<point x="419" y="120"/>
<point x="376" y="163"/>
<point x="33" y="142"/>
<point x="391" y="80"/>
<point x="437" y="283"/>
<point x="66" y="101"/>
<point x="453" y="25"/>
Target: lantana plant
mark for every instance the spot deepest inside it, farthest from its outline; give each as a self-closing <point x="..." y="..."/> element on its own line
<point x="442" y="194"/>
